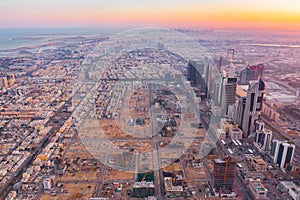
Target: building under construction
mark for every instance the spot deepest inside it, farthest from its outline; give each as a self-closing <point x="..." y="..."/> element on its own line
<point x="143" y="189"/>
<point x="223" y="174"/>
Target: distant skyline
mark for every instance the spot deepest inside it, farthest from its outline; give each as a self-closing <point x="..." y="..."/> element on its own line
<point x="273" y="14"/>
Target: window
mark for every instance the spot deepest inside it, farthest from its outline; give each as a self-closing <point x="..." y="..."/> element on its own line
<point x="259" y="99"/>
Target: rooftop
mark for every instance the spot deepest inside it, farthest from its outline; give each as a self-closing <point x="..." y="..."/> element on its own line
<point x="257" y="185"/>
<point x="241" y="90"/>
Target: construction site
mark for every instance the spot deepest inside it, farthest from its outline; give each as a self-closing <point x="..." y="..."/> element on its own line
<point x="145" y="136"/>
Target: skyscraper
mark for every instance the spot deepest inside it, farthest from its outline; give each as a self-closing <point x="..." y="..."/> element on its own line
<point x="249" y="106"/>
<point x="194" y="71"/>
<point x="225" y="92"/>
<point x="251" y="73"/>
<point x="282" y="153"/>
<point x="229" y="92"/>
<point x="198" y="74"/>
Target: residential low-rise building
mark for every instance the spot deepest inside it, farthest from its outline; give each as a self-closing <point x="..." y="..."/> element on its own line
<point x="235" y="133"/>
<point x="257" y="189"/>
<point x="258" y="163"/>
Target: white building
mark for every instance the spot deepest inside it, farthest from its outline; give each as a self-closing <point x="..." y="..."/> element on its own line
<point x="249" y="105"/>
<point x="48" y="184"/>
<point x="282" y="153"/>
<point x="263" y="137"/>
<point x="263" y="140"/>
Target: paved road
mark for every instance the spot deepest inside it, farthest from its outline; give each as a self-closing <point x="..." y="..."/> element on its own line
<point x="100" y="181"/>
<point x="158" y="181"/>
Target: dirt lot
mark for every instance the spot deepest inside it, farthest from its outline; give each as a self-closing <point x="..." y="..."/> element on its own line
<point x="74" y="191"/>
<point x="111" y="174"/>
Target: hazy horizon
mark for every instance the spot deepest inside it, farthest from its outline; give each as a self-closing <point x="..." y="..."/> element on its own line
<point x="269" y="14"/>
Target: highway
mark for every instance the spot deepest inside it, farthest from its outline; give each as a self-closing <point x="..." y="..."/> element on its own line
<point x="158" y="181"/>
<point x="100" y="181"/>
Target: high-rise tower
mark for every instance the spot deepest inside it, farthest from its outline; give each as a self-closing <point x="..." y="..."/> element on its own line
<point x="249" y="106"/>
<point x="282" y="153"/>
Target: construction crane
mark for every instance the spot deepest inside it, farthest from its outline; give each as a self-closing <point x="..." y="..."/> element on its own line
<point x="227" y="159"/>
<point x="144" y="177"/>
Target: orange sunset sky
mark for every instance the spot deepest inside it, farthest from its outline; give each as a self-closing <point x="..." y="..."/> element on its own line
<point x="275" y="14"/>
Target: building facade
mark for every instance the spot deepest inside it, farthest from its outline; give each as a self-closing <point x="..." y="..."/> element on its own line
<point x="263" y="137"/>
<point x="282" y="153"/>
<point x="249" y="107"/>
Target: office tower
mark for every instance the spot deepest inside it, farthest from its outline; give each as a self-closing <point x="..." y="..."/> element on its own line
<point x="240" y="105"/>
<point x="225" y="92"/>
<point x="257" y="189"/>
<point x="198" y="73"/>
<point x="255" y="71"/>
<point x="217" y="90"/>
<point x="243" y="77"/>
<point x="219" y="64"/>
<point x="223" y="174"/>
<point x="212" y="86"/>
<point x="249" y="105"/>
<point x="263" y="139"/>
<point x="194" y="71"/>
<point x="282" y="153"/>
<point x="251" y="73"/>
<point x="208" y="78"/>
<point x="228" y="93"/>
